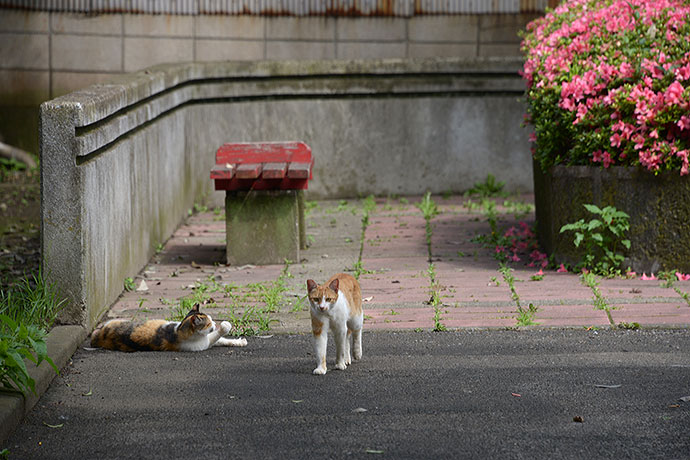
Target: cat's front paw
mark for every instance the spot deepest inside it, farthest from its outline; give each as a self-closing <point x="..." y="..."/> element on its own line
<point x="319" y="371"/>
<point x="225" y="327"/>
<point x="341" y="365"/>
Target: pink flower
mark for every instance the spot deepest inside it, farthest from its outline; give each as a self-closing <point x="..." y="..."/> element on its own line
<point x="683" y="73"/>
<point x="626" y="70"/>
<point x="562" y="269"/>
<point x="684" y="123"/>
<point x="683" y="277"/>
<point x="673" y="93"/>
<point x="607" y="160"/>
<point x="644" y="277"/>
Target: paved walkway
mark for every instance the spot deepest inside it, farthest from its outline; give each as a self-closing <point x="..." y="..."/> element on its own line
<point x="395" y="278"/>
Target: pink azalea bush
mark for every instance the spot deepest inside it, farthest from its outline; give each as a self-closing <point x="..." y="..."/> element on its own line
<point x="608" y="83"/>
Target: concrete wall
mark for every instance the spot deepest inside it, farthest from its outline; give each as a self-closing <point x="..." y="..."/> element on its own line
<point x="122" y="162"/>
<point x="47" y="54"/>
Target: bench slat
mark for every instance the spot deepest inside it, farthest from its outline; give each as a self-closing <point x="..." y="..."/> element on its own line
<point x="274" y="170"/>
<point x="263" y="152"/>
<point x="223" y="171"/>
<point x="299" y="170"/>
<point x="248" y="171"/>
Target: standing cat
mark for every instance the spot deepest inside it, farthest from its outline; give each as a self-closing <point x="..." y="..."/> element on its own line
<point x="196" y="332"/>
<point x="336" y="305"/>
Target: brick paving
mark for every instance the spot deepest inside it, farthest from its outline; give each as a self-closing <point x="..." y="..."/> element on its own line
<point x="395" y="282"/>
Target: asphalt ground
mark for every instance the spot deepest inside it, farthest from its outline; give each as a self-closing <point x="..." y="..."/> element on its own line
<point x="468" y="394"/>
<point x="568" y="386"/>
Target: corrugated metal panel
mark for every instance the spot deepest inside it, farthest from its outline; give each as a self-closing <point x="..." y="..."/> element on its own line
<point x="403" y="8"/>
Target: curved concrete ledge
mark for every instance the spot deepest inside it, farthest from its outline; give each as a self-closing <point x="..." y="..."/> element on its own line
<point x="123" y="162"/>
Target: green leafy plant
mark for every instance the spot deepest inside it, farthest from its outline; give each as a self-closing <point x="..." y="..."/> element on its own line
<point x="589" y="279"/>
<point x="129" y="284"/>
<point x="525" y="316"/>
<point x="601" y="239"/>
<point x="429" y="210"/>
<point x="18" y="342"/>
<point x="668" y="282"/>
<point x="428" y="207"/>
<point x="489" y="188"/>
<point x="435" y="298"/>
<point x="198" y="208"/>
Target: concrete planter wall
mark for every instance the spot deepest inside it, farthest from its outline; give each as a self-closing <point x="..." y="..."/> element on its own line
<point x="657" y="205"/>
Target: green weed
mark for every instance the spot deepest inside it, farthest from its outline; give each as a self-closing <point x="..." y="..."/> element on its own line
<point x="32" y="301"/>
<point x="525" y="316"/>
<point x="429" y="210"/>
<point x="668" y="281"/>
<point x="589" y="279"/>
<point x="601" y="237"/>
<point x="19" y="341"/>
<point x="489" y="188"/>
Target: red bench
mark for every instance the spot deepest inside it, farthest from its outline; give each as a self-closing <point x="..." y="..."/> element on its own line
<point x="264" y="202"/>
<point x="263" y="166"/>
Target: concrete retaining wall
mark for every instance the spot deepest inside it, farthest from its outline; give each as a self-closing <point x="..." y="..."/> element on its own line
<point x="123" y="162"/>
<point x="46" y="54"/>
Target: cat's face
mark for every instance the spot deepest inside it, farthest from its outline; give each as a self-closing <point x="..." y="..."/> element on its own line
<point x="322" y="298"/>
<point x="196" y="323"/>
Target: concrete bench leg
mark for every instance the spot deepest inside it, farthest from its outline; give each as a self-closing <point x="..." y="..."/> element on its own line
<point x="264" y="227"/>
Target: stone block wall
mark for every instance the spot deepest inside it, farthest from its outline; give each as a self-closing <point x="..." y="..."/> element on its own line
<point x="47" y="54"/>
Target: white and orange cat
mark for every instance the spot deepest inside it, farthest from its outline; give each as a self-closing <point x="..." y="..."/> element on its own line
<point x="196" y="332"/>
<point x="336" y="306"/>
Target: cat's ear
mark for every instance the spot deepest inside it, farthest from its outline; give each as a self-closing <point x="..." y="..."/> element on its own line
<point x="334" y="285"/>
<point x="193" y="312"/>
<point x="311" y="285"/>
<point x="185" y="325"/>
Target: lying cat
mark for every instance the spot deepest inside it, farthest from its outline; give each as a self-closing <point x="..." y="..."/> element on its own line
<point x="196" y="332"/>
<point x="336" y="305"/>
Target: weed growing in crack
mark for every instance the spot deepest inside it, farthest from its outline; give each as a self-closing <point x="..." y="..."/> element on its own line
<point x="525" y="316"/>
<point x="368" y="207"/>
<point x="429" y="210"/>
<point x="589" y="279"/>
<point x="490" y="187"/>
<point x="129" y="284"/>
<point x="668" y="282"/>
<point x="435" y="298"/>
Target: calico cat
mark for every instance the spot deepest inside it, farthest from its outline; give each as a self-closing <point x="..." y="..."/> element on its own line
<point x="336" y="305"/>
<point x="196" y="332"/>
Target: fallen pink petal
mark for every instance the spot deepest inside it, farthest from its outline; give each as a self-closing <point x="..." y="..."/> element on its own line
<point x="683" y="276"/>
<point x="562" y="269"/>
<point x="651" y="277"/>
